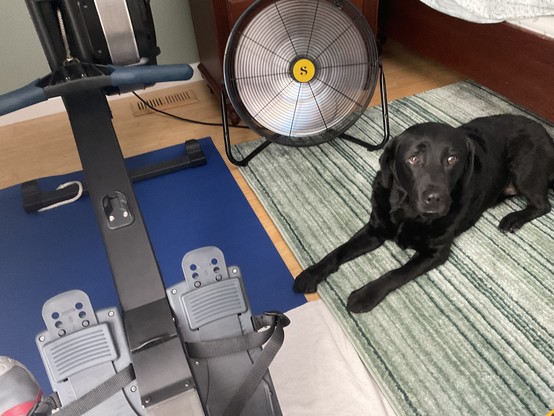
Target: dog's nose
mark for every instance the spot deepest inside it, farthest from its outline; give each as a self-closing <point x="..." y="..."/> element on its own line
<point x="434" y="202"/>
<point x="432" y="198"/>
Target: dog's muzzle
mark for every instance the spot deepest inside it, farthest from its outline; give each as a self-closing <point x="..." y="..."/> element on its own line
<point x="433" y="201"/>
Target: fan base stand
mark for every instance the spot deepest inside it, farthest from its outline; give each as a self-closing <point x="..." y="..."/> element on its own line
<point x="369" y="146"/>
<point x="384" y="113"/>
<point x="227" y="139"/>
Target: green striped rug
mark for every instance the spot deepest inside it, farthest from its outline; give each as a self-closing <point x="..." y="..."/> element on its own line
<point x="473" y="337"/>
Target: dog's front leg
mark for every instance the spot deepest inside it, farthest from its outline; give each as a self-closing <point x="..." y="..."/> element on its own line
<point x="364" y="241"/>
<point x="369" y="296"/>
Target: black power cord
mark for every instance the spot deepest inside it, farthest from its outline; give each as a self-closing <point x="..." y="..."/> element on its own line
<point x="187" y="120"/>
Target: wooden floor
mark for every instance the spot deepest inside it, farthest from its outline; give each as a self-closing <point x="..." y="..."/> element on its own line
<point x="45" y="146"/>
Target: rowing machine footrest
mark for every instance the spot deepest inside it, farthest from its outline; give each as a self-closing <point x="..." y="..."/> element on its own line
<point x="81" y="349"/>
<point x="211" y="305"/>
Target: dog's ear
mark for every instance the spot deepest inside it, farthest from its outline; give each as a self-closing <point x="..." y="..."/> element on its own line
<point x="470" y="161"/>
<point x="387" y="161"/>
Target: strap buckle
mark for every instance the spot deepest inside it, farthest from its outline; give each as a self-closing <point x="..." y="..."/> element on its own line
<point x="270" y="318"/>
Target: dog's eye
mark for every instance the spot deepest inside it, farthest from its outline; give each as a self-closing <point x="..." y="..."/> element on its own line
<point x="452" y="160"/>
<point x="414" y="160"/>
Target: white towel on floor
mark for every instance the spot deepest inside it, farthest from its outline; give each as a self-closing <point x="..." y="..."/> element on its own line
<point x="317" y="371"/>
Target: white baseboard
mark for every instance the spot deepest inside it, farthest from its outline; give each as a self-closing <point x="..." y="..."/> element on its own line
<point x="55" y="105"/>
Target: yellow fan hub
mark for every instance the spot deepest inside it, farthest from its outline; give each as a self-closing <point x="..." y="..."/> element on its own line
<point x="303" y="70"/>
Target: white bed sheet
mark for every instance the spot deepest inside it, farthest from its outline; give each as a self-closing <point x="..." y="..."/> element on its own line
<point x="543" y="25"/>
<point x="493" y="11"/>
<point x="317" y="372"/>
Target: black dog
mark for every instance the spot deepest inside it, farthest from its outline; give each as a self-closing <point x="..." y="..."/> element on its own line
<point x="435" y="182"/>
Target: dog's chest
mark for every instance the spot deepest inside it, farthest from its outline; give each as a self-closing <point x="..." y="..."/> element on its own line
<point x="418" y="235"/>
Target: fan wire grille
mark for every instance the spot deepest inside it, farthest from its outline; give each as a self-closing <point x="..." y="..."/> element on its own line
<point x="301" y="72"/>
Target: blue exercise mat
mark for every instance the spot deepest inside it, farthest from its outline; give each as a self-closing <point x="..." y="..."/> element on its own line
<point x="44" y="254"/>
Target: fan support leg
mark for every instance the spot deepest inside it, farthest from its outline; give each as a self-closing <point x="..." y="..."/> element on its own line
<point x="227" y="139"/>
<point x="385" y="115"/>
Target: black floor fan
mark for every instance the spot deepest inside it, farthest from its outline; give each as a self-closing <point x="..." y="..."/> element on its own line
<point x="301" y="72"/>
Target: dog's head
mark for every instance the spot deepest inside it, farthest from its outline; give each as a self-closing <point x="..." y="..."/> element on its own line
<point x="424" y="165"/>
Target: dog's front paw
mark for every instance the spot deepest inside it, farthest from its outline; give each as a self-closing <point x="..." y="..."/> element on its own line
<point x="365" y="298"/>
<point x="512" y="222"/>
<point x="307" y="281"/>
